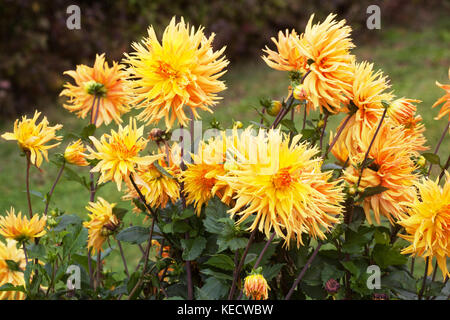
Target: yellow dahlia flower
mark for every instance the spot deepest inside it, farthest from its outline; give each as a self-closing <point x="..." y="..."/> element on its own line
<point x="156" y="187"/>
<point x="326" y="47"/>
<point x="119" y="153"/>
<point x="445" y="99"/>
<point x="182" y="70"/>
<point x="392" y="168"/>
<point x="19" y="228"/>
<point x="9" y="251"/>
<point x="287" y="57"/>
<point x="200" y="178"/>
<point x="74" y="153"/>
<point x="427" y="225"/>
<point x="32" y="137"/>
<point x="102" y="223"/>
<point x="256" y="287"/>
<point x="104" y="84"/>
<point x="403" y="112"/>
<point x="280" y="182"/>
<point x="368" y="92"/>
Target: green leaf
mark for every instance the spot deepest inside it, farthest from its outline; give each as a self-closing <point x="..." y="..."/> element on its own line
<point x="213" y="289"/>
<point x="221" y="261"/>
<point x="11" y="287"/>
<point x="186" y="213"/>
<point x="36" y="251"/>
<point x="66" y="220"/>
<point x="213" y="212"/>
<point x="74" y="240"/>
<point x="399" y="279"/>
<point x="288" y="123"/>
<point x="88" y="131"/>
<point x="216" y="274"/>
<point x="330" y="272"/>
<point x="432" y="158"/>
<point x="385" y="256"/>
<point x="350" y="266"/>
<point x="71" y="175"/>
<point x="233" y="244"/>
<point x="192" y="248"/>
<point x="355" y="241"/>
<point x="371" y="191"/>
<point x="12" y="265"/>
<point x="119" y="212"/>
<point x="134" y="234"/>
<point x="272" y="271"/>
<point x="162" y="170"/>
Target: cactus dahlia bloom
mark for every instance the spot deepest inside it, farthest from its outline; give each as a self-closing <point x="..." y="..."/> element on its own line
<point x="280" y="182"/>
<point x="182" y="70"/>
<point x="403" y="112"/>
<point x="102" y="223"/>
<point x="119" y="153"/>
<point x="326" y="47"/>
<point x="101" y="86"/>
<point x="19" y="228"/>
<point x="200" y="178"/>
<point x="427" y="225"/>
<point x="74" y="153"/>
<point x="287" y="57"/>
<point x="157" y="187"/>
<point x="256" y="287"/>
<point x="392" y="167"/>
<point x="9" y="251"/>
<point x="32" y="138"/>
<point x="368" y="92"/>
<point x="445" y="99"/>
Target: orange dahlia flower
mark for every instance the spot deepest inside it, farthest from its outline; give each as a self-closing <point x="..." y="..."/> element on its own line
<point x="445" y="99"/>
<point x="100" y="90"/>
<point x="182" y="70"/>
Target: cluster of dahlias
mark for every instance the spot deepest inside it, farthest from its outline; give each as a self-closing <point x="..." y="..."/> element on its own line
<point x="266" y="174"/>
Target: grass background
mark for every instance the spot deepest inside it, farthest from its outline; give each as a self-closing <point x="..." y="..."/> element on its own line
<point x="413" y="60"/>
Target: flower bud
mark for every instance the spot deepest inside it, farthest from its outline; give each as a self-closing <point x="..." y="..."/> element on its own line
<point x="274" y="108"/>
<point x="238" y="124"/>
<point x="421" y="161"/>
<point x="380" y="296"/>
<point x="352" y="190"/>
<point x="256" y="287"/>
<point x="299" y="92"/>
<point x="156" y="135"/>
<point x="74" y="154"/>
<point x="332" y="286"/>
<point x="320" y="124"/>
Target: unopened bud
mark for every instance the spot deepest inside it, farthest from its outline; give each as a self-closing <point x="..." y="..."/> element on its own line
<point x="380" y="296"/>
<point x="320" y="124"/>
<point x="332" y="286"/>
<point x="274" y="108"/>
<point x="156" y="135"/>
<point x="421" y="161"/>
<point x="238" y="124"/>
<point x="299" y="92"/>
<point x="352" y="190"/>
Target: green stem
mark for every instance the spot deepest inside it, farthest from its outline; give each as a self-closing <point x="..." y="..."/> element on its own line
<point x="30" y="209"/>
<point x="237" y="271"/>
<point x="49" y="196"/>
<point x="424" y="282"/>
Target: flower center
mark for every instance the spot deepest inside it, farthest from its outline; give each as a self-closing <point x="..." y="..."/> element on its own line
<point x="165" y="70"/>
<point x="123" y="152"/>
<point x="282" y="178"/>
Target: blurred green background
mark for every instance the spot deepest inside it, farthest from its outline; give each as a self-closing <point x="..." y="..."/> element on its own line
<point x="412" y="48"/>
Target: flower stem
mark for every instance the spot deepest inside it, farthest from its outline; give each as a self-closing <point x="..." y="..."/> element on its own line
<point x="424" y="282"/>
<point x="261" y="255"/>
<point x="25" y="253"/>
<point x="91" y="272"/>
<point x="123" y="258"/>
<point x="304" y="116"/>
<point x="302" y="273"/>
<point x="338" y="134"/>
<point x="147" y="251"/>
<point x="444" y="133"/>
<point x="237" y="271"/>
<point x="370" y="146"/>
<point x="323" y="130"/>
<point x="141" y="196"/>
<point x="445" y="168"/>
<point x="49" y="196"/>
<point x="30" y="209"/>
